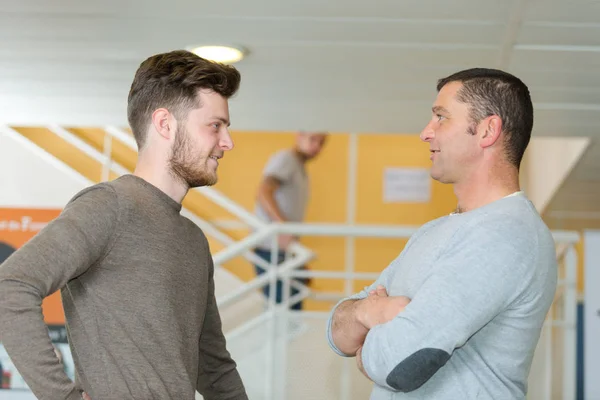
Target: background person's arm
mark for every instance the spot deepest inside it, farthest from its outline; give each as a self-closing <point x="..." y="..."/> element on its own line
<point x="277" y="172"/>
<point x="266" y="197"/>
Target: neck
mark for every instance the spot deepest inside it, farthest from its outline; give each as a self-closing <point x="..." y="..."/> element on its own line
<point x="157" y="174"/>
<point x="484" y="189"/>
<point x="300" y="155"/>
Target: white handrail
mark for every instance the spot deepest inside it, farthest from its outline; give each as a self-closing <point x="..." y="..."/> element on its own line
<point x="222" y="237"/>
<point x="245" y="244"/>
<point x="287" y="270"/>
<point x="92" y="152"/>
<point x="219" y="198"/>
<point x="123" y="136"/>
<point x="314" y="229"/>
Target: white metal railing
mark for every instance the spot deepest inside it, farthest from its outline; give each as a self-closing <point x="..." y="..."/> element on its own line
<point x="562" y="315"/>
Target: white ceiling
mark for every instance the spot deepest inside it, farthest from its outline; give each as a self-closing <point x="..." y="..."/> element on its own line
<point x="341" y="65"/>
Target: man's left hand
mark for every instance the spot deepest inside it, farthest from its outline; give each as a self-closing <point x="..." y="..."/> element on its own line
<point x="359" y="362"/>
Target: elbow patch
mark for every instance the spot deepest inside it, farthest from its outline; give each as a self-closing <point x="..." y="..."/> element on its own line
<point x="416" y="369"/>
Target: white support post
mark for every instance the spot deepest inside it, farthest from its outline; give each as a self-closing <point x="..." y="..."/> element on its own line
<point x="351" y="210"/>
<point x="106" y="167"/>
<point x="271" y="353"/>
<point x="570" y="330"/>
<point x="548" y="359"/>
<point x="345" y="378"/>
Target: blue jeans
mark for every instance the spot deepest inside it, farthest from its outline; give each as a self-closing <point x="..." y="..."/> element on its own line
<point x="266" y="255"/>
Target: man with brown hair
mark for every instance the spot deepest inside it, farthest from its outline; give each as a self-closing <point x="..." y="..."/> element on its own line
<point x="283" y="196"/>
<point x="136" y="277"/>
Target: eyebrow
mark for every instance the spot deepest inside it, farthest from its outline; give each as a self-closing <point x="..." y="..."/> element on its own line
<point x="439" y="109"/>
<point x="223" y="120"/>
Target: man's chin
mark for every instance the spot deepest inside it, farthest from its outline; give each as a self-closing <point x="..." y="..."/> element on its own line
<point x="436" y="176"/>
<point x="204" y="181"/>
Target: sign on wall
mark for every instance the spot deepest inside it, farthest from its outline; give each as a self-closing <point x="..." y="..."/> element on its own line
<point x="406" y="185"/>
<point x="17" y="226"/>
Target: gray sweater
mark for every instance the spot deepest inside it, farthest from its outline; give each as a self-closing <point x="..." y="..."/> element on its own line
<point x="481" y="284"/>
<point x="136" y="281"/>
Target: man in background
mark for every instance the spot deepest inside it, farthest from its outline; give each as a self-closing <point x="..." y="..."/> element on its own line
<point x="283" y="195"/>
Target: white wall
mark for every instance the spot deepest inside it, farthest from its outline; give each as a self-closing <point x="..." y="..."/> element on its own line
<point x="30" y="177"/>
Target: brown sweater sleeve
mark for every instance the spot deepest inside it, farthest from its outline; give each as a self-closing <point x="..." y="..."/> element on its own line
<point x="61" y="251"/>
<point x="218" y="378"/>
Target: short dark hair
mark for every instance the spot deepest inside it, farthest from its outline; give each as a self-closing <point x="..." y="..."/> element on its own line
<point x="494" y="92"/>
<point x="172" y="80"/>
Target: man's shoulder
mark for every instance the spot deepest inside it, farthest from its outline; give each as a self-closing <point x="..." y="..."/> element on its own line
<point x="515" y="217"/>
<point x="513" y="230"/>
<point x="282" y="156"/>
<point x="194" y="230"/>
<point x="103" y="192"/>
<point x="433" y="227"/>
<point x="282" y="164"/>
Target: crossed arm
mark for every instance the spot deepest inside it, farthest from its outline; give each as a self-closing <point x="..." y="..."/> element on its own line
<point x="468" y="288"/>
<point x="354" y="318"/>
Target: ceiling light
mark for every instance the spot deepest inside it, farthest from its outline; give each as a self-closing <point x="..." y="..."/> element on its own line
<point x="222" y="54"/>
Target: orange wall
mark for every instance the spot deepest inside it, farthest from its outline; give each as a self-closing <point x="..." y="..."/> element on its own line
<point x="16" y="238"/>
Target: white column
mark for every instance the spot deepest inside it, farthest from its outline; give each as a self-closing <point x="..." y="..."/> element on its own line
<point x="591" y="333"/>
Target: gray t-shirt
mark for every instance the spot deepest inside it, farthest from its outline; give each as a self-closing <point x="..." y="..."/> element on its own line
<point x="481" y="284"/>
<point x="293" y="192"/>
<point x="137" y="286"/>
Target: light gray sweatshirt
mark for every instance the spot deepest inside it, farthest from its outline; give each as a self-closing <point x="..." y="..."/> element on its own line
<point x="481" y="284"/>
